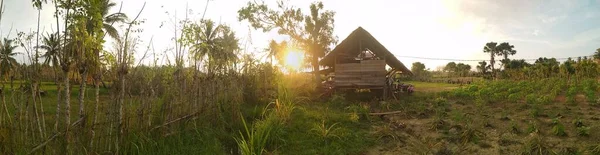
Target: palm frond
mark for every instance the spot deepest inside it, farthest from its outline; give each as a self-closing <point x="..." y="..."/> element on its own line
<point x="111" y="31"/>
<point x="115" y="18"/>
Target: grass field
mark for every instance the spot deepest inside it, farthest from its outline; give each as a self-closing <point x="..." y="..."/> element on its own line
<point x="433" y="120"/>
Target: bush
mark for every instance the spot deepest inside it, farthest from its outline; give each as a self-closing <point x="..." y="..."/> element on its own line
<point x="535" y="110"/>
<point x="471" y="134"/>
<point x="531" y="99"/>
<point x="535" y="145"/>
<point x="253" y="140"/>
<point x="532" y="128"/>
<point x="578" y="122"/>
<point x="558" y="129"/>
<point x="514" y="97"/>
<point x="583" y="131"/>
<point x="570" y="97"/>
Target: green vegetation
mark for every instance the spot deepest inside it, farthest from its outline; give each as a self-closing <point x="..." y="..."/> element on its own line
<point x="212" y="96"/>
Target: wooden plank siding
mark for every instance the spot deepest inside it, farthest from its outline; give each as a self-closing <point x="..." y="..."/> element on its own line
<point x="367" y="73"/>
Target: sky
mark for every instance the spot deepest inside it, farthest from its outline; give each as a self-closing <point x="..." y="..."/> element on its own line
<point x="449" y="29"/>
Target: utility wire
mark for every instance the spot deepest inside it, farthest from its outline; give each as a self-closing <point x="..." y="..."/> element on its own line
<point x="445" y="59"/>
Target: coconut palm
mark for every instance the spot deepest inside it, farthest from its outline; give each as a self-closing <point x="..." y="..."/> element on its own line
<point x="7" y="60"/>
<point x="51" y="44"/>
<point x="217" y="42"/>
<point x="109" y="19"/>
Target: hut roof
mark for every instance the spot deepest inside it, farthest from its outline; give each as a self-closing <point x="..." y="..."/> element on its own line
<point x="361" y="38"/>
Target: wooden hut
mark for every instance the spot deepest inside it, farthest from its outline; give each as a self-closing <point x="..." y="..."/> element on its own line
<point x="359" y="62"/>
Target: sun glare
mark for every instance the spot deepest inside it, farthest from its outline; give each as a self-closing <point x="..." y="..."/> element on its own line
<point x="294" y="59"/>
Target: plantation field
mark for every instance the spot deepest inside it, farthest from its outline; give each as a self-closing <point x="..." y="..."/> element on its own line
<point x="487" y="117"/>
<point x="500" y="117"/>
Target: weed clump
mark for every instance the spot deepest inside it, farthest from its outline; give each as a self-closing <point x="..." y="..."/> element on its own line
<point x="536" y="145"/>
<point x="471" y="134"/>
<point x="532" y="128"/>
<point x="583" y="131"/>
<point x="558" y="128"/>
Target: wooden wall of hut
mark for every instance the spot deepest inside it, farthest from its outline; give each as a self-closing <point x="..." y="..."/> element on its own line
<point x="366" y="74"/>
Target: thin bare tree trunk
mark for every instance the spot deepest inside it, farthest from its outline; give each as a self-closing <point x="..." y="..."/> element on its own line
<point x="97" y="93"/>
<point x="67" y="107"/>
<point x="43" y="113"/>
<point x="35" y="110"/>
<point x="82" y="94"/>
<point x="58" y="99"/>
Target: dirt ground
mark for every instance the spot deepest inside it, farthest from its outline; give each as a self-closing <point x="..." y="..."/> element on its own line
<point x="494" y="128"/>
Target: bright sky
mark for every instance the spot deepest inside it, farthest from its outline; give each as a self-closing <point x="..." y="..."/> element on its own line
<point x="451" y="29"/>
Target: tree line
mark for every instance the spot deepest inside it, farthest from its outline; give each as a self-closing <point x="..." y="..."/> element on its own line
<point x="543" y="67"/>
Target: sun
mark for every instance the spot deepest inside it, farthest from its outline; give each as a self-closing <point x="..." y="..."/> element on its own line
<point x="294" y="59"/>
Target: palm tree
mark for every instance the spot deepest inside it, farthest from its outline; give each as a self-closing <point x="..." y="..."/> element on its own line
<point x="109" y="19"/>
<point x="217" y="42"/>
<point x="492" y="48"/>
<point x="7" y="60"/>
<point x="52" y="46"/>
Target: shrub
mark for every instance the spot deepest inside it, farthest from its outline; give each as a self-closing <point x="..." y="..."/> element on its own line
<point x="514" y="128"/>
<point x="535" y="110"/>
<point x="471" y="134"/>
<point x="337" y="99"/>
<point x="578" y="122"/>
<point x="440" y="102"/>
<point x="545" y="99"/>
<point x="531" y="99"/>
<point x="558" y="129"/>
<point x="535" y="145"/>
<point x="514" y="97"/>
<point x="583" y="131"/>
<point x="570" y="96"/>
<point x="326" y="132"/>
<point x="532" y="128"/>
<point x="253" y="140"/>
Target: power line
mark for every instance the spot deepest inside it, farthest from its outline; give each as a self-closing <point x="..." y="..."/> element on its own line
<point x="463" y="60"/>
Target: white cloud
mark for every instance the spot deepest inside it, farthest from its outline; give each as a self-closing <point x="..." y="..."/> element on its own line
<point x="536" y="32"/>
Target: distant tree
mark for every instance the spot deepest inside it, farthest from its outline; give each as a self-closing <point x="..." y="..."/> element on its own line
<point x="450" y="67"/>
<point x="7" y="61"/>
<point x="215" y="41"/>
<point x="51" y="44"/>
<point x="505" y="49"/>
<point x="516" y="64"/>
<point x="493" y="50"/>
<point x="418" y="68"/>
<point x="276" y="51"/>
<point x="546" y="66"/>
<point x="586" y="68"/>
<point x="314" y="32"/>
<point x="462" y="69"/>
<point x="483" y="67"/>
<point x="568" y="67"/>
